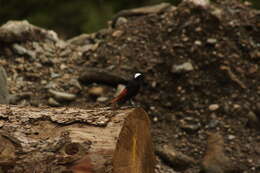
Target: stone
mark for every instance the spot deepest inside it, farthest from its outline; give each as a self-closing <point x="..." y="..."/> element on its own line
<point x="117" y="33"/>
<point x="231" y="137"/>
<point x="215" y="160"/>
<point x="177" y="160"/>
<point x="102" y="99"/>
<point x="80" y="40"/>
<point x="62" y="96"/>
<point x="121" y="21"/>
<point x="53" y="102"/>
<point x="252" y="120"/>
<point x="185" y="67"/>
<point x="20" y="31"/>
<point x="198" y="43"/>
<point x="96" y="91"/>
<point x="213" y="107"/>
<point x="20" y="50"/>
<point x="211" y="40"/>
<point x="189" y="124"/>
<point x="4" y="93"/>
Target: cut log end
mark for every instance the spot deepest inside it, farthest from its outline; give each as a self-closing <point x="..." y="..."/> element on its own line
<point x="41" y="142"/>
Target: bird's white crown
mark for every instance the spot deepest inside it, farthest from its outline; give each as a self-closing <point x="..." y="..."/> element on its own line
<point x="137" y="74"/>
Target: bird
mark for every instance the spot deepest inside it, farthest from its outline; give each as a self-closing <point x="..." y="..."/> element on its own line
<point x="130" y="91"/>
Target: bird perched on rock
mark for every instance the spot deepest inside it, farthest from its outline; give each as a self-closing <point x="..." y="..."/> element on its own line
<point x="130" y="91"/>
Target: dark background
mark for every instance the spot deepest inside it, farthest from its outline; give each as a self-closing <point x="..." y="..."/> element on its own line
<point x="70" y="18"/>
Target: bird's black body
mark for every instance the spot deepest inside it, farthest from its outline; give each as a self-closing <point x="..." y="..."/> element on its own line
<point x="130" y="91"/>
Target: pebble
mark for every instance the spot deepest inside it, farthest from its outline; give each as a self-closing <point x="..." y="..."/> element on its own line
<point x="231" y="137"/>
<point x="1" y="124"/>
<point x="213" y="123"/>
<point x="173" y="158"/>
<point x="185" y="67"/>
<point x="189" y="125"/>
<point x="62" y="96"/>
<point x="121" y="21"/>
<point x="117" y="33"/>
<point x="55" y="75"/>
<point x="96" y="91"/>
<point x="155" y="119"/>
<point x="198" y="43"/>
<point x="211" y="40"/>
<point x="253" y="121"/>
<point x="102" y="99"/>
<point x="23" y="51"/>
<point x="213" y="107"/>
<point x="53" y="102"/>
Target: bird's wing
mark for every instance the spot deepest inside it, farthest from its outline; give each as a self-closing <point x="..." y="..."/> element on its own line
<point x="119" y="97"/>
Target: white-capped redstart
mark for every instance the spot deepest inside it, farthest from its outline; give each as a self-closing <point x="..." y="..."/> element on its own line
<point x="130" y="91"/>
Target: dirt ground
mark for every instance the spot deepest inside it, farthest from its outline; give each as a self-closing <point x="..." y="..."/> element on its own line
<point x="201" y="67"/>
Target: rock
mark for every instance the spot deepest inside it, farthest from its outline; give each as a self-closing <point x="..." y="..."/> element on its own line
<point x="202" y="3"/>
<point x="1" y="124"/>
<point x="213" y="123"/>
<point x="62" y="96"/>
<point x="15" y="98"/>
<point x="257" y="148"/>
<point x="231" y="137"/>
<point x="198" y="43"/>
<point x="155" y="119"/>
<point x="117" y="33"/>
<point x="4" y="93"/>
<point x="211" y="40"/>
<point x="252" y="120"/>
<point x="55" y="75"/>
<point x="102" y="99"/>
<point x="185" y="67"/>
<point x="257" y="109"/>
<point x="215" y="160"/>
<point x="190" y="125"/>
<point x="213" y="107"/>
<point x="20" y="50"/>
<point x="20" y="31"/>
<point x="80" y="40"/>
<point x="96" y="91"/>
<point x="177" y="160"/>
<point x="121" y="21"/>
<point x="53" y="102"/>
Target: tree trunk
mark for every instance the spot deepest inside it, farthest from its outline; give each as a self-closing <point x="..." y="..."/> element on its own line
<point x="75" y="140"/>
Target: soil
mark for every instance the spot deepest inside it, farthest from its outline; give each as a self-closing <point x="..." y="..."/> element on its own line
<point x="201" y="67"/>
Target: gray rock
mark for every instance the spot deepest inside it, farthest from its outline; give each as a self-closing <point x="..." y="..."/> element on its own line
<point x="20" y="50"/>
<point x="19" y="31"/>
<point x="252" y="120"/>
<point x="177" y="160"/>
<point x="215" y="160"/>
<point x="185" y="67"/>
<point x="62" y="96"/>
<point x="53" y="102"/>
<point x="102" y="99"/>
<point x="211" y="40"/>
<point x="4" y="93"/>
<point x="80" y="40"/>
<point x="190" y="125"/>
<point x="121" y="21"/>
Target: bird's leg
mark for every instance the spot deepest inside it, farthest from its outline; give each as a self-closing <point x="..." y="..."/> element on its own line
<point x="132" y="103"/>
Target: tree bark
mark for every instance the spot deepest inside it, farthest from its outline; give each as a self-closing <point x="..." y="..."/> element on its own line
<point x="75" y="140"/>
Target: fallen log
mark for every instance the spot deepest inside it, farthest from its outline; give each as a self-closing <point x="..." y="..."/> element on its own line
<point x="75" y="140"/>
<point x="93" y="75"/>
